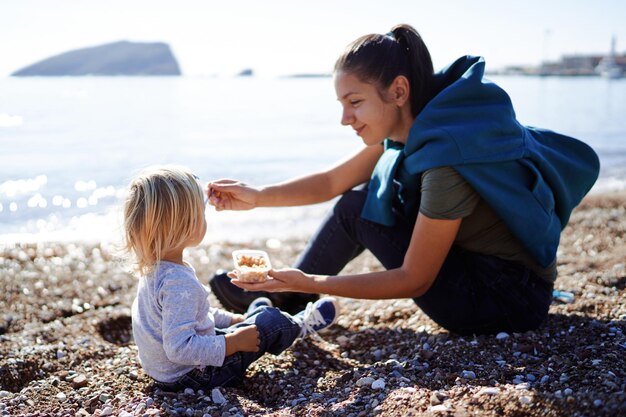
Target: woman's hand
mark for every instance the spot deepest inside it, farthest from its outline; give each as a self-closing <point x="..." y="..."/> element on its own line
<point x="228" y="194"/>
<point x="278" y="281"/>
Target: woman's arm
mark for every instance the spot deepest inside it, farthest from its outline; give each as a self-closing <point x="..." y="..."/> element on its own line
<point x="310" y="189"/>
<point x="429" y="247"/>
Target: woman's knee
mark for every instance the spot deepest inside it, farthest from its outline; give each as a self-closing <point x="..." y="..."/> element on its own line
<point x="350" y="203"/>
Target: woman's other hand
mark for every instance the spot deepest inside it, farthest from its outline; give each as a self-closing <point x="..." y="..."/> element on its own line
<point x="228" y="194"/>
<point x="279" y="280"/>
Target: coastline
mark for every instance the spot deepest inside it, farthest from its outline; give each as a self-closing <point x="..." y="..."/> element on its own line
<point x="66" y="348"/>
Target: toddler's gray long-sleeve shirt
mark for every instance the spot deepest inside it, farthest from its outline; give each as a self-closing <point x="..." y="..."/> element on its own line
<point x="173" y="324"/>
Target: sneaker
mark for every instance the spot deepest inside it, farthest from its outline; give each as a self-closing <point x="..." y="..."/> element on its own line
<point x="318" y="316"/>
<point x="237" y="300"/>
<point x="259" y="302"/>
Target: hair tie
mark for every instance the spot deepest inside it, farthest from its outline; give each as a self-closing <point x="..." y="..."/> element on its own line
<point x="391" y="36"/>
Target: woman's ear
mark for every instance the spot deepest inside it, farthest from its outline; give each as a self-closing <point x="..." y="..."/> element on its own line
<point x="400" y="90"/>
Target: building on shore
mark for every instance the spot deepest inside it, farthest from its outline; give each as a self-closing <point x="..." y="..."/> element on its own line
<point x="610" y="66"/>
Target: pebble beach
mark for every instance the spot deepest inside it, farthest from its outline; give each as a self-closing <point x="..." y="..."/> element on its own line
<point x="66" y="346"/>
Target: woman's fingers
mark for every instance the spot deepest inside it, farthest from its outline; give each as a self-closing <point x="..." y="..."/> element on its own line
<point x="271" y="285"/>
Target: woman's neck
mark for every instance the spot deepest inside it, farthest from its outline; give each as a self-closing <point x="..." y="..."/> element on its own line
<point x="406" y="119"/>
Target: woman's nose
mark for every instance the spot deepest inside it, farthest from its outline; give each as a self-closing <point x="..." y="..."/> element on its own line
<point x="347" y="118"/>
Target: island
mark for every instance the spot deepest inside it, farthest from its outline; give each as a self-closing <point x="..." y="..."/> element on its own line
<point x="117" y="58"/>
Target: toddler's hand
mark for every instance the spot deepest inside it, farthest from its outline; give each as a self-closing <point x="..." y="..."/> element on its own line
<point x="237" y="318"/>
<point x="244" y="339"/>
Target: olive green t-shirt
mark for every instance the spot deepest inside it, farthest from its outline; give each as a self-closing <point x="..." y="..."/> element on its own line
<point x="446" y="195"/>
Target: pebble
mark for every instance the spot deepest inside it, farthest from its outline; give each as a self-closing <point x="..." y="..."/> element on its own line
<point x="106" y="411"/>
<point x="436" y="408"/>
<point x="80" y="381"/>
<point x="502" y="336"/>
<point x="366" y="380"/>
<point x="597" y="403"/>
<point x="544" y="379"/>
<point x="124" y="413"/>
<point x="525" y="399"/>
<point x="61" y="396"/>
<point x="189" y="391"/>
<point x="567" y="391"/>
<point x="489" y="391"/>
<point x="4" y="394"/>
<point x="531" y="377"/>
<point x="378" y="384"/>
<point x="469" y="375"/>
<point x="217" y="396"/>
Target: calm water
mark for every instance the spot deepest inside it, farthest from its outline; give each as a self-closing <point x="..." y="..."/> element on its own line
<point x="69" y="146"/>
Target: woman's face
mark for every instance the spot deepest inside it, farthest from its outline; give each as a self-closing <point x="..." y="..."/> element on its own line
<point x="373" y="117"/>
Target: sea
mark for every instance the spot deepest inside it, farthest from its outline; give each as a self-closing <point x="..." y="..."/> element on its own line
<point x="70" y="145"/>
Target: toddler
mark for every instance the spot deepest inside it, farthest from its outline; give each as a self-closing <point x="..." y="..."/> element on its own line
<point x="182" y="341"/>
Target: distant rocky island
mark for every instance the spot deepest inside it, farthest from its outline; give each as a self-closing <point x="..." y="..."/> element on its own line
<point x="117" y="58"/>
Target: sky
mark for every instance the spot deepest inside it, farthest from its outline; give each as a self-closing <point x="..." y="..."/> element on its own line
<point x="280" y="37"/>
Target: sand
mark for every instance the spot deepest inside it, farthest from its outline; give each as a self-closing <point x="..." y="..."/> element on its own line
<point x="66" y="347"/>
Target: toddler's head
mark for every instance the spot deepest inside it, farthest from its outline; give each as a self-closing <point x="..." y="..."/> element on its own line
<point x="164" y="210"/>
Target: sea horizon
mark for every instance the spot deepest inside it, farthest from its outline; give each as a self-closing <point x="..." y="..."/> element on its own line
<point x="71" y="144"/>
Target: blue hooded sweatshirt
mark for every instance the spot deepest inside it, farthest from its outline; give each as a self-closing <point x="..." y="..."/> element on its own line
<point x="532" y="178"/>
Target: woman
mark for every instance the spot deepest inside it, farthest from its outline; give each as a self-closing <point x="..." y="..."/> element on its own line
<point x="463" y="205"/>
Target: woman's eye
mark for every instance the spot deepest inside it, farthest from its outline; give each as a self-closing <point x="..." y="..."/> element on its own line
<point x="354" y="102"/>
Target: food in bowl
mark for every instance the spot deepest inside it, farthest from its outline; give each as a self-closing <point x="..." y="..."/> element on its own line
<point x="251" y="265"/>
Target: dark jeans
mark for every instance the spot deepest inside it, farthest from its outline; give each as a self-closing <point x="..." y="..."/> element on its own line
<point x="472" y="293"/>
<point x="277" y="331"/>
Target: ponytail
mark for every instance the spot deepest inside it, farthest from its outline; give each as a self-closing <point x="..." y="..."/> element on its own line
<point x="379" y="59"/>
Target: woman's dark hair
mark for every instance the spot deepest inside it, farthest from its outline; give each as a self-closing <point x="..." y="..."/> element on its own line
<point x="379" y="59"/>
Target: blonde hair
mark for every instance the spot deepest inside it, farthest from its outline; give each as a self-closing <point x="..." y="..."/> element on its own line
<point x="163" y="209"/>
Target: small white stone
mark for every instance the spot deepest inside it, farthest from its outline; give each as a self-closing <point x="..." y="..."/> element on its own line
<point x="189" y="391"/>
<point x="217" y="396"/>
<point x="61" y="396"/>
<point x="4" y="394"/>
<point x="525" y="399"/>
<point x="107" y="411"/>
<point x="489" y="391"/>
<point x="366" y="380"/>
<point x="342" y="340"/>
<point x="436" y="408"/>
<point x="378" y="384"/>
<point x="567" y="391"/>
<point x="502" y="336"/>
